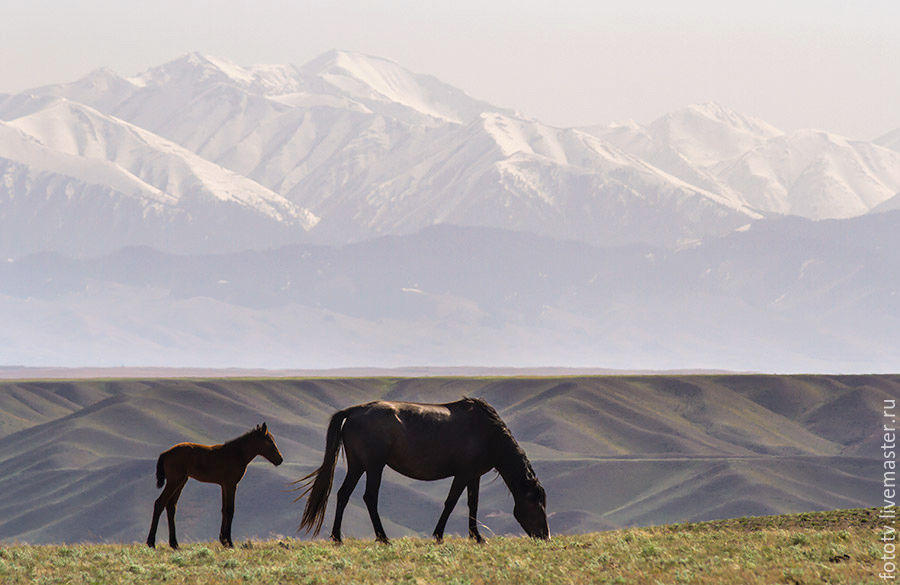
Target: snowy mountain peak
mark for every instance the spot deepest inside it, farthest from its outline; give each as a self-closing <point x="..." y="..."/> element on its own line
<point x="815" y="174"/>
<point x="102" y="78"/>
<point x="74" y="129"/>
<point x="719" y="113"/>
<point x="194" y="68"/>
<point x="708" y="133"/>
<point x="374" y="148"/>
<point x="200" y="69"/>
<point x="371" y="80"/>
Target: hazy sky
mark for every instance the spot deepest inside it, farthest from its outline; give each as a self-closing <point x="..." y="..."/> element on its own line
<point x="825" y="64"/>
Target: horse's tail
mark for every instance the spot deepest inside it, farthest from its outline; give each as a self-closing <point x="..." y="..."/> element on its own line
<point x="317" y="484"/>
<point x="160" y="472"/>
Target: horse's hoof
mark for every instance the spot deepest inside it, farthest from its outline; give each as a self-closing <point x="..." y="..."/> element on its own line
<point x="383" y="540"/>
<point x="438" y="539"/>
<point x="174" y="545"/>
<point x="151" y="544"/>
<point x="336" y="539"/>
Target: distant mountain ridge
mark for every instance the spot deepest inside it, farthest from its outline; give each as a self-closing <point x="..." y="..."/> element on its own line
<point x="350" y="146"/>
<point x="790" y="295"/>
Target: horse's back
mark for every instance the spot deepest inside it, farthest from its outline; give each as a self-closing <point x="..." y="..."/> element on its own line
<point x="423" y="441"/>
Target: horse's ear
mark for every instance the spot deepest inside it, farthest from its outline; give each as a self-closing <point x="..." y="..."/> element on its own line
<point x="263" y="428"/>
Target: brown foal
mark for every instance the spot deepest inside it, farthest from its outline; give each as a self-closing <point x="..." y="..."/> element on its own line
<point x="223" y="464"/>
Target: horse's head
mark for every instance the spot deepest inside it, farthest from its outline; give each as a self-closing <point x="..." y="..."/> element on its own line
<point x="531" y="509"/>
<point x="266" y="445"/>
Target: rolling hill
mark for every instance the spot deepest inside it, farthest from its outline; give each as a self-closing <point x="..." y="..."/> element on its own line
<point x="76" y="458"/>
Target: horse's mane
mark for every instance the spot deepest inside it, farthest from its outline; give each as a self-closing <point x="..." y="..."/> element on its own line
<point x="512" y="449"/>
<point x="490" y="414"/>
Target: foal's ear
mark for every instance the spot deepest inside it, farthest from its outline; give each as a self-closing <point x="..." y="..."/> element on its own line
<point x="263" y="428"/>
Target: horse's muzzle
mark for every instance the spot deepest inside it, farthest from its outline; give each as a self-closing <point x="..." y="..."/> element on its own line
<point x="541" y="535"/>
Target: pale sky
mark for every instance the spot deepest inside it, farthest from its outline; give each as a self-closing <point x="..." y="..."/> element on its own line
<point x="822" y="64"/>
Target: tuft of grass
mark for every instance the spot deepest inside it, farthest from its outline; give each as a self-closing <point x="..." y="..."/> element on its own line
<point x="829" y="547"/>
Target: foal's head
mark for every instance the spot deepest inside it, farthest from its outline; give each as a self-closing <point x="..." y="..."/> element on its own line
<point x="264" y="444"/>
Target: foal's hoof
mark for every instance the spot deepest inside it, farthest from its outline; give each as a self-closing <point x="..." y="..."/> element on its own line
<point x="336" y="540"/>
<point x="383" y="540"/>
<point x="174" y="545"/>
<point x="438" y="539"/>
<point x="151" y="544"/>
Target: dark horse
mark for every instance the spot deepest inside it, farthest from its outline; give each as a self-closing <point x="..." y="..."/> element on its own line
<point x="222" y="464"/>
<point x="463" y="440"/>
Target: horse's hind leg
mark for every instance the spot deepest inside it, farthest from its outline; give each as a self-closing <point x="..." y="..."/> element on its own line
<point x="158" y="506"/>
<point x="456" y="489"/>
<point x="227" y="514"/>
<point x="373" y="484"/>
<point x="170" y="514"/>
<point x="354" y="472"/>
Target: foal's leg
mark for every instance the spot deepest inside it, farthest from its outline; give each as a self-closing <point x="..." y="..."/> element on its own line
<point x="373" y="484"/>
<point x="456" y="489"/>
<point x="227" y="514"/>
<point x="472" y="490"/>
<point x="159" y="505"/>
<point x="354" y="472"/>
<point x="170" y="513"/>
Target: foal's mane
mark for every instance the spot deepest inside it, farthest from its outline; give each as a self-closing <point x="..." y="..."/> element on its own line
<point x="243" y="437"/>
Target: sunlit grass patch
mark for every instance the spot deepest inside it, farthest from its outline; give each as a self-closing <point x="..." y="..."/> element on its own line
<point x="829" y="547"/>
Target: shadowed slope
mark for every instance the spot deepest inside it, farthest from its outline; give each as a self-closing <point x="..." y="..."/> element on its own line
<point x="610" y="450"/>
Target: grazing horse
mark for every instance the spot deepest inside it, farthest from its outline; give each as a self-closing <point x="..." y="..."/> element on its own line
<point x="463" y="440"/>
<point x="223" y="464"/>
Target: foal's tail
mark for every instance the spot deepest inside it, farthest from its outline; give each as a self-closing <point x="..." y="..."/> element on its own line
<point x="317" y="484"/>
<point x="160" y="472"/>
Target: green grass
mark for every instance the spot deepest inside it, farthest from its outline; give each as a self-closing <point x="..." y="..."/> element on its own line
<point x="825" y="547"/>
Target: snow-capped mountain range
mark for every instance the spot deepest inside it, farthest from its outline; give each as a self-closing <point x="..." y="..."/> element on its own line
<point x="200" y="154"/>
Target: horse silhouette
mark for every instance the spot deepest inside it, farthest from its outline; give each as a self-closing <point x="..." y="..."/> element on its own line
<point x="463" y="440"/>
<point x="223" y="464"/>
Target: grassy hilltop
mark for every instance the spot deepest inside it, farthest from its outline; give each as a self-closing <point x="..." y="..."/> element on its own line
<point x="823" y="547"/>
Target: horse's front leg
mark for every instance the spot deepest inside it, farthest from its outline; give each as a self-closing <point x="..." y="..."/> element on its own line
<point x="370" y="497"/>
<point x="228" y="491"/>
<point x="456" y="489"/>
<point x="472" y="490"/>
